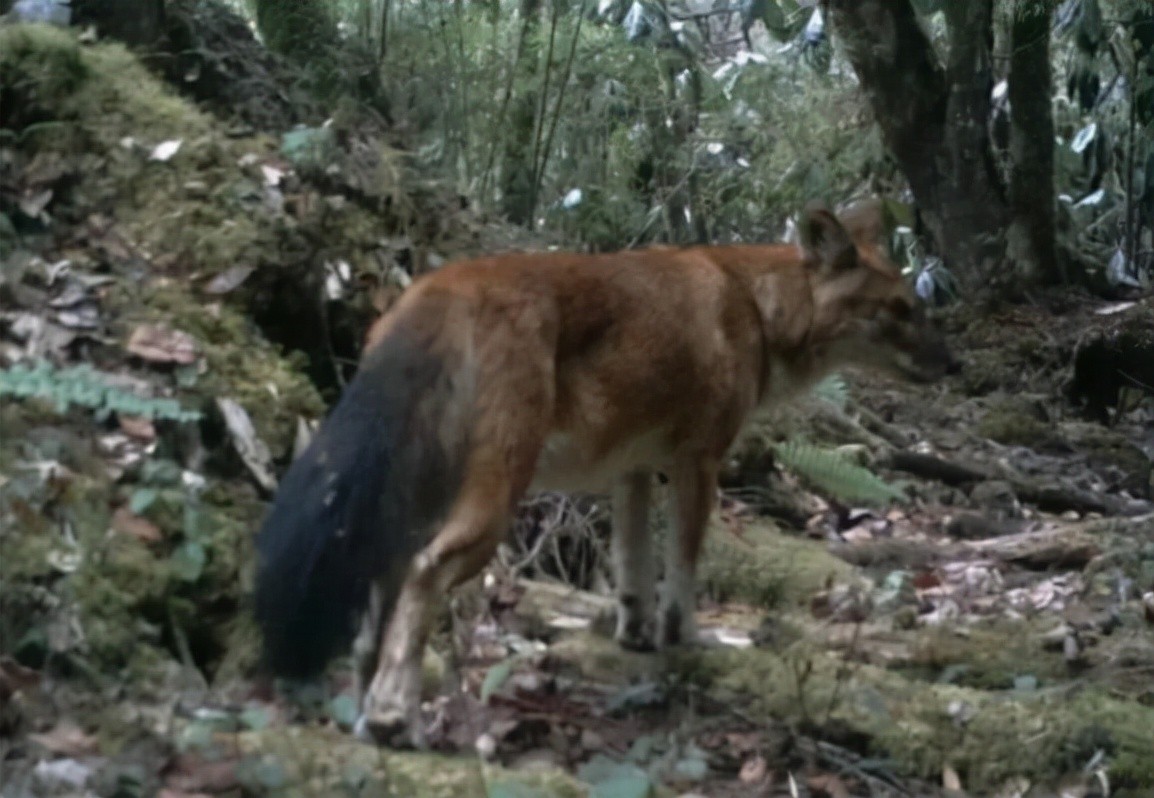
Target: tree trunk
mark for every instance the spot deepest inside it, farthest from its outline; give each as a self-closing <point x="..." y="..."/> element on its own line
<point x="1031" y="239"/>
<point x="934" y="119"/>
<point x="517" y="171"/>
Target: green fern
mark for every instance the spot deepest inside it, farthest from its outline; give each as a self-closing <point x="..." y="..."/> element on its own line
<point x="84" y="386"/>
<point x="833" y="389"/>
<point x="831" y="473"/>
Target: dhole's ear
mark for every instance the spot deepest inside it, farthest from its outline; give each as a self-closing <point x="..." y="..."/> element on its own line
<point x="824" y="241"/>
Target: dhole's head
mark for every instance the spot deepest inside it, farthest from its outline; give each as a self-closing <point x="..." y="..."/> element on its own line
<point x="866" y="314"/>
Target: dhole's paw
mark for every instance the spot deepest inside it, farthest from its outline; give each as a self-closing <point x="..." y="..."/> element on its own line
<point x="635" y="630"/>
<point x="635" y="639"/>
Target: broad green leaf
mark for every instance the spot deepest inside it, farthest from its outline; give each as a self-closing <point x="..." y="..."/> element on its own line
<point x="142" y="499"/>
<point x="495" y="677"/>
<point x="188" y="561"/>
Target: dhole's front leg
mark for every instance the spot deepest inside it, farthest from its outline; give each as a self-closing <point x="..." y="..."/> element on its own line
<point x="694" y="481"/>
<point x="634" y="569"/>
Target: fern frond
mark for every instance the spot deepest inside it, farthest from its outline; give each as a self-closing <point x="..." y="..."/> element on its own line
<point x="833" y="389"/>
<point x="832" y="473"/>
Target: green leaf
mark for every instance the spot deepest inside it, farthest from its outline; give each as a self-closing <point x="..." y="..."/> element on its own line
<point x="192" y="523"/>
<point x="188" y="561"/>
<point x="142" y="499"/>
<point x="254" y="718"/>
<point x="343" y="710"/>
<point x="495" y="677"/>
<point x="692" y="768"/>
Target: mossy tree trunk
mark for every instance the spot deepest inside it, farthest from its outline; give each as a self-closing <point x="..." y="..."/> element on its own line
<point x="934" y="117"/>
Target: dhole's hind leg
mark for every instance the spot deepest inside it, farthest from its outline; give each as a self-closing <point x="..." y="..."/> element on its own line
<point x="368" y="643"/>
<point x="634" y="568"/>
<point x="465" y="543"/>
<point x="694" y="482"/>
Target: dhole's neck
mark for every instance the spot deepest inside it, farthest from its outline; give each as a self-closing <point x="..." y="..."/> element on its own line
<point x="798" y="322"/>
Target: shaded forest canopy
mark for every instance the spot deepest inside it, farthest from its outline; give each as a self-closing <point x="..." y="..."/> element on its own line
<point x="203" y="205"/>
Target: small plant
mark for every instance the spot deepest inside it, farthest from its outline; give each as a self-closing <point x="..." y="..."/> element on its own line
<point x="829" y="471"/>
<point x="84" y="386"/>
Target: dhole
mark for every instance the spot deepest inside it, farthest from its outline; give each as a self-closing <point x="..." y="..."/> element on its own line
<point x="496" y="376"/>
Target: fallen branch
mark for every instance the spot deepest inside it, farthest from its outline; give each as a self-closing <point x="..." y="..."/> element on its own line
<point x="928" y="466"/>
<point x="1067" y="546"/>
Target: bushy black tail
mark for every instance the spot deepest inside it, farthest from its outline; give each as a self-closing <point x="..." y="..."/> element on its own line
<point x="356" y="506"/>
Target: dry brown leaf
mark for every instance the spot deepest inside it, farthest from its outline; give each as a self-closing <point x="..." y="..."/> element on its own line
<point x="129" y="523"/>
<point x="68" y="739"/>
<point x="158" y="344"/>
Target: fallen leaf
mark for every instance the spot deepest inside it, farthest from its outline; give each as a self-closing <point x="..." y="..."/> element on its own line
<point x="138" y="427"/>
<point x="129" y="523"/>
<point x="58" y="775"/>
<point x="753" y="771"/>
<point x="158" y="344"/>
<point x="925" y="579"/>
<point x="68" y="739"/>
<point x="230" y="279"/>
<point x="950" y="779"/>
<point x="272" y="175"/>
<point x="252" y="450"/>
<point x="165" y="150"/>
<point x="32" y="206"/>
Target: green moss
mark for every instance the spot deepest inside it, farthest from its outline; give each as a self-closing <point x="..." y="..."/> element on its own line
<point x="239" y="363"/>
<point x="765" y="567"/>
<point x="987" y="737"/>
<point x="1014" y="423"/>
<point x="317" y="761"/>
<point x="990" y="656"/>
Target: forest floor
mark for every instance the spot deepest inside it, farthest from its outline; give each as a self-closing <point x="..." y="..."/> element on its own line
<point x="992" y="634"/>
